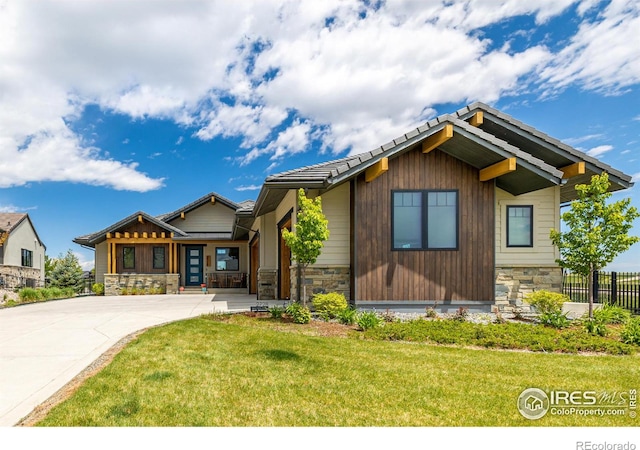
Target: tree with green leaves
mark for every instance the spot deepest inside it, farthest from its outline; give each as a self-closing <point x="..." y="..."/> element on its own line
<point x="67" y="272"/>
<point x="597" y="231"/>
<point x="307" y="240"/>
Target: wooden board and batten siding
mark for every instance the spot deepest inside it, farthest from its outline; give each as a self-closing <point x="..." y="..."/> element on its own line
<point x="414" y="275"/>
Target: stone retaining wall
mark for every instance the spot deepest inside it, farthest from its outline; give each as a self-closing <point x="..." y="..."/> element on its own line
<point x="322" y="280"/>
<point x="18" y="276"/>
<point x="123" y="283"/>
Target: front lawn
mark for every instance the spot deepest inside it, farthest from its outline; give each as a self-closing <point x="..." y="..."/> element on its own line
<point x="259" y="372"/>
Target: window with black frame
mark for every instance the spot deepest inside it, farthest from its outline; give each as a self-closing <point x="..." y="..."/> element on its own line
<point x="27" y="258"/>
<point x="519" y="226"/>
<point x="227" y="259"/>
<point x="158" y="257"/>
<point x="129" y="257"/>
<point x="425" y="220"/>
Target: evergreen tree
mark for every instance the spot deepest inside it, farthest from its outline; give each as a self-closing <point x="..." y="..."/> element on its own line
<point x="67" y="273"/>
<point x="597" y="230"/>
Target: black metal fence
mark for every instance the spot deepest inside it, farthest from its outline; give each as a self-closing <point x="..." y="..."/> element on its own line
<point x="616" y="288"/>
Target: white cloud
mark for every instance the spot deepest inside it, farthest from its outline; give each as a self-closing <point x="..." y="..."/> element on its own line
<point x="251" y="187"/>
<point x="636" y="177"/>
<point x="13" y="208"/>
<point x="581" y="139"/>
<point x="277" y="74"/>
<point x="599" y="150"/>
<point x="604" y="55"/>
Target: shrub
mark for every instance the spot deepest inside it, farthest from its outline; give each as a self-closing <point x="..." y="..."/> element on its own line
<point x="347" y="316"/>
<point x="367" y="320"/>
<point x="30" y="295"/>
<point x="610" y="314"/>
<point x="98" y="288"/>
<point x="461" y="314"/>
<point x="330" y="304"/>
<point x="631" y="332"/>
<point x="299" y="313"/>
<point x="555" y="319"/>
<point x="546" y="302"/>
<point x="276" y="312"/>
<point x="596" y="326"/>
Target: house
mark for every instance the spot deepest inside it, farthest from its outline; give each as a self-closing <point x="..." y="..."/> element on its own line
<point x="456" y="212"/>
<point x="21" y="252"/>
<point x="187" y="248"/>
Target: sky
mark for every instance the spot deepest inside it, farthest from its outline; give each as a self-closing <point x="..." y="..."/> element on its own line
<point x="111" y="107"/>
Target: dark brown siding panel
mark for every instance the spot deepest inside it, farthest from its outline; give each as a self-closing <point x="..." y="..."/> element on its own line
<point x="463" y="274"/>
<point x="144" y="258"/>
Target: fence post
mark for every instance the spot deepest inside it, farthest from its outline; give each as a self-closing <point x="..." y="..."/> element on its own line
<point x="596" y="286"/>
<point x="614" y="288"/>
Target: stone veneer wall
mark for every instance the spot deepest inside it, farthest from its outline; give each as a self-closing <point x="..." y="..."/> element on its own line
<point x="514" y="283"/>
<point x="322" y="280"/>
<point x="114" y="283"/>
<point x="267" y="284"/>
<point x="18" y="276"/>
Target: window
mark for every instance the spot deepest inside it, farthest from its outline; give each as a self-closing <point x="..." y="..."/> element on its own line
<point x="27" y="258"/>
<point x="129" y="257"/>
<point x="227" y="258"/>
<point x="519" y="226"/>
<point x="426" y="220"/>
<point x="158" y="257"/>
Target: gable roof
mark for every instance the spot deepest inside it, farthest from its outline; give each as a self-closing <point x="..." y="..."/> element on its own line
<point x="162" y="221"/>
<point x="168" y="217"/>
<point x="91" y="240"/>
<point x="10" y="221"/>
<point x="539" y="158"/>
<point x="543" y="146"/>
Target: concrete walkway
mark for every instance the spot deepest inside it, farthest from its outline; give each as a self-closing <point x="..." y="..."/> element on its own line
<point x="44" y="345"/>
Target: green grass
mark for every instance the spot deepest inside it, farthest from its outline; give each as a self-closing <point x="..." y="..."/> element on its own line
<point x="247" y="372"/>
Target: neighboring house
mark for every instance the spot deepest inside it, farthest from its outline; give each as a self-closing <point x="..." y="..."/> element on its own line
<point x="188" y="247"/>
<point x="456" y="212"/>
<point x="21" y="252"/>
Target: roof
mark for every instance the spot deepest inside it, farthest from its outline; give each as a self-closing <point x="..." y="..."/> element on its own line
<point x="543" y="146"/>
<point x="10" y="221"/>
<point x="539" y="158"/>
<point x="162" y="221"/>
<point x="167" y="217"/>
<point x="90" y="240"/>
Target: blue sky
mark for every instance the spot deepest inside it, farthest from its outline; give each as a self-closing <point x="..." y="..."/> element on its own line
<point x="107" y="108"/>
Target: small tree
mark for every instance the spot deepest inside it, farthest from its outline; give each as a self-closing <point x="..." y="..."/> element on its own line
<point x="597" y="230"/>
<point x="311" y="230"/>
<point x="66" y="272"/>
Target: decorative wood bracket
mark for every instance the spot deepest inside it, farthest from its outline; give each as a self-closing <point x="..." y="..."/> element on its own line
<point x="573" y="170"/>
<point x="498" y="169"/>
<point x="437" y="139"/>
<point x="477" y="119"/>
<point x="376" y="170"/>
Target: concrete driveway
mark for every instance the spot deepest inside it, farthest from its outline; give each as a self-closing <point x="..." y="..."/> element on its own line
<point x="44" y="345"/>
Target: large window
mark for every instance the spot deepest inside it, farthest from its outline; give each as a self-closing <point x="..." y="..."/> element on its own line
<point x="158" y="257"/>
<point x="426" y="220"/>
<point x="520" y="226"/>
<point x="129" y="257"/>
<point x="227" y="258"/>
<point x="27" y="258"/>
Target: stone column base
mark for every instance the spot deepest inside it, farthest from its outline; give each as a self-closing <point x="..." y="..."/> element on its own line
<point x="322" y="280"/>
<point x="514" y="283"/>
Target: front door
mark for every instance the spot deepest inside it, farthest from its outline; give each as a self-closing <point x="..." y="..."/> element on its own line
<point x="194" y="265"/>
<point x="284" y="278"/>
